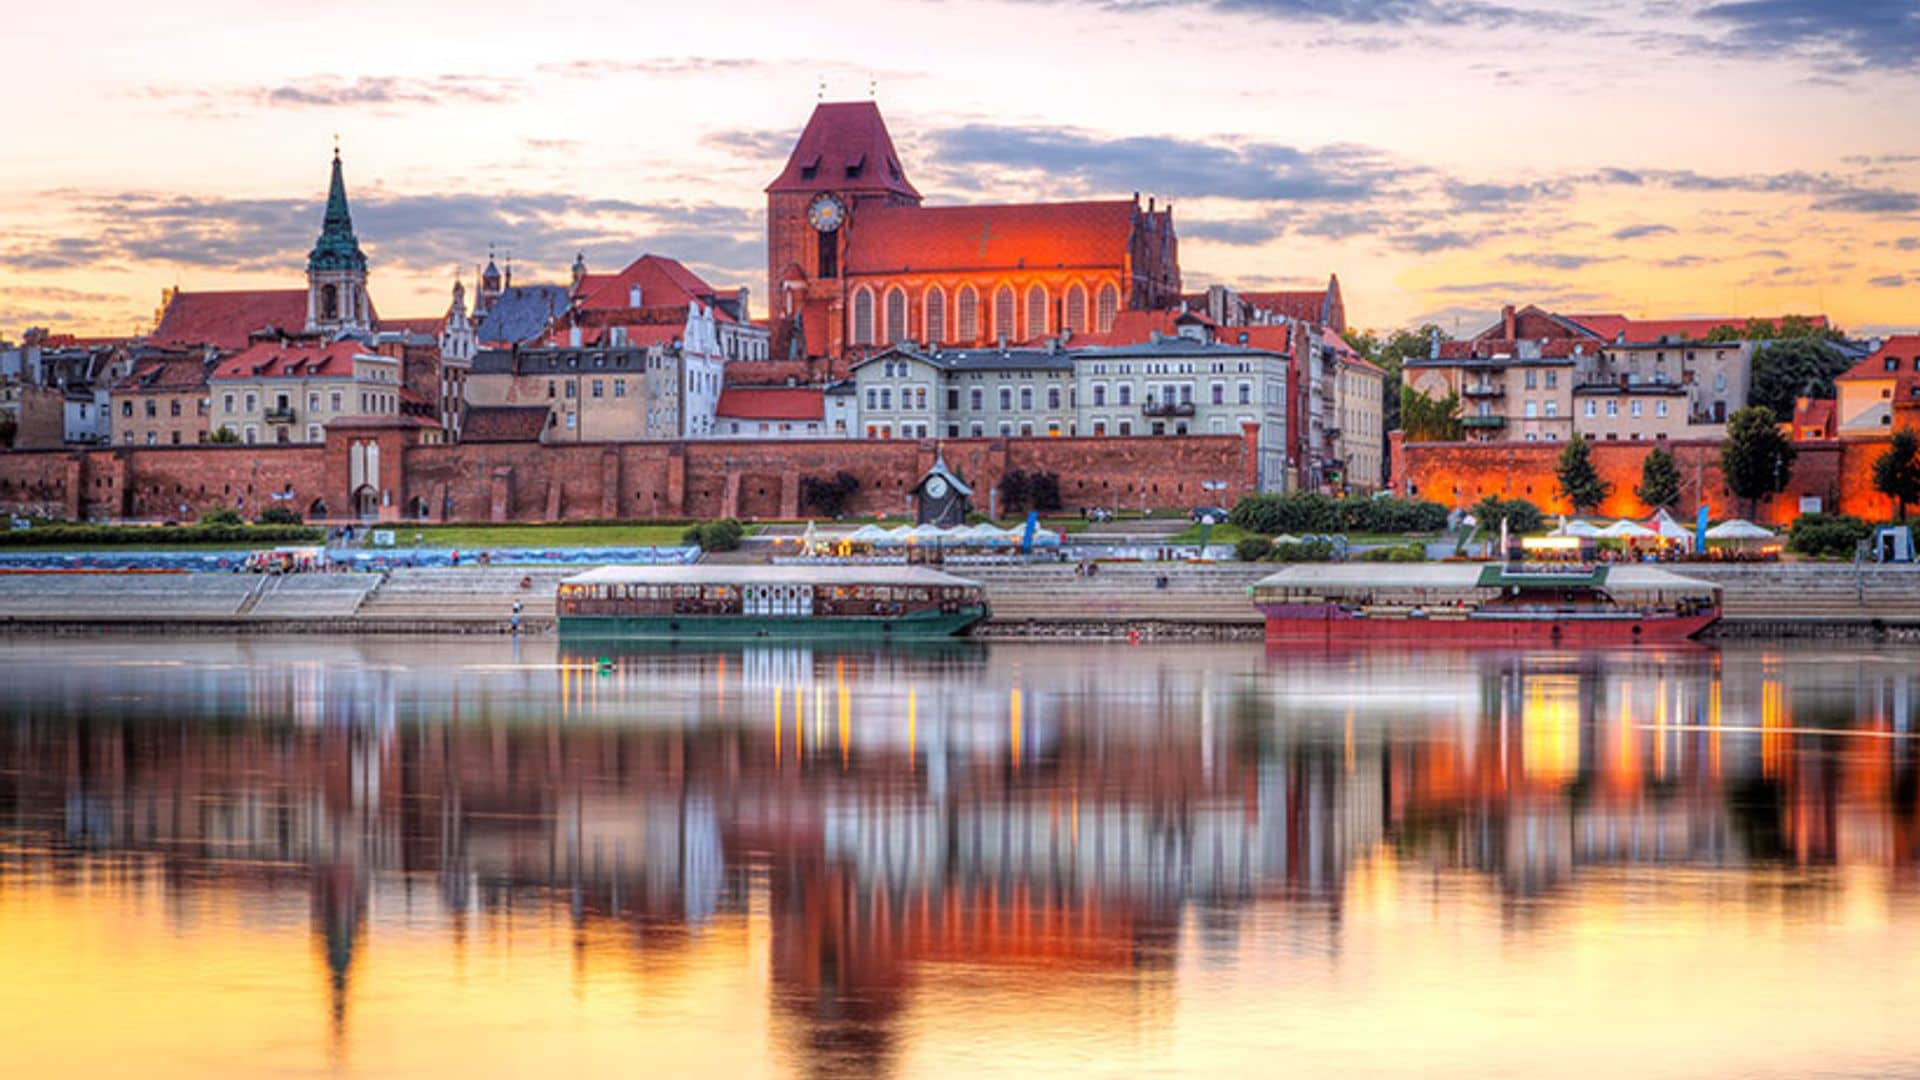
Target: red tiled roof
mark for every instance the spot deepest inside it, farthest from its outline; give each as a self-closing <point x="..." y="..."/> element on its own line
<point x="1814" y="418"/>
<point x="282" y="360"/>
<point x="891" y="239"/>
<point x="504" y="423"/>
<point x="1904" y="351"/>
<point x="639" y="335"/>
<point x="663" y="282"/>
<point x="224" y="319"/>
<point x="1303" y="304"/>
<point x="1647" y="331"/>
<point x="844" y="147"/>
<point x="771" y="403"/>
<point x="767" y="372"/>
<point x="164" y="375"/>
<point x="1550" y="348"/>
<point x="428" y="325"/>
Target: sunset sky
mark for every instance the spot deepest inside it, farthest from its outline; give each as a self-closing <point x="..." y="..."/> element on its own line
<point x="1442" y="156"/>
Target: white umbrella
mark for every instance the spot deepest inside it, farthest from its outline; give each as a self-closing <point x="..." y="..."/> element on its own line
<point x="1627" y="530"/>
<point x="1584" y="529"/>
<point x="868" y="534"/>
<point x="1739" y="529"/>
<point x="1664" y="525"/>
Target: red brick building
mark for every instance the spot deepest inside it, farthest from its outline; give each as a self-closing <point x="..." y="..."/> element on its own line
<point x="855" y="261"/>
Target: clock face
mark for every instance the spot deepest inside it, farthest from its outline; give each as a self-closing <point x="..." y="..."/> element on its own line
<point x="826" y="213"/>
<point x="937" y="488"/>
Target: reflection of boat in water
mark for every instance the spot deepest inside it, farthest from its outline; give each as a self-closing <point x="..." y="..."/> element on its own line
<point x="831" y="603"/>
<point x="1485" y="603"/>
<point x="931" y="654"/>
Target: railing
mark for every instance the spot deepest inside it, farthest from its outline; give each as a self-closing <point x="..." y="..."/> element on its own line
<point x="1486" y="391"/>
<point x="1483" y="421"/>
<point x="280" y="416"/>
<point x="1166" y="408"/>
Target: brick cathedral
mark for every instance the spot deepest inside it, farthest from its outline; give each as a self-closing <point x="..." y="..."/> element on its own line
<point x="856" y="262"/>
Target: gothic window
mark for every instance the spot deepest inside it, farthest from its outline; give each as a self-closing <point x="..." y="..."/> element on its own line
<point x="1036" y="312"/>
<point x="1077" y="309"/>
<point x="969" y="314"/>
<point x="863" y="317"/>
<point x="1004" y="320"/>
<point x="829" y="255"/>
<point x="1109" y="305"/>
<point x="329" y="302"/>
<point x="896" y="315"/>
<point x="936" y="316"/>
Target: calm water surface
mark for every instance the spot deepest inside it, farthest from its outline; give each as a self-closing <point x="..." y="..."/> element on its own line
<point x="470" y="858"/>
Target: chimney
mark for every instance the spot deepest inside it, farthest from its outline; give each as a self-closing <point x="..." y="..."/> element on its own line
<point x="1506" y="323"/>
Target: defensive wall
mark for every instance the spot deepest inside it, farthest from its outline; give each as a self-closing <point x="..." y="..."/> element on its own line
<point x="1838" y="472"/>
<point x="386" y="470"/>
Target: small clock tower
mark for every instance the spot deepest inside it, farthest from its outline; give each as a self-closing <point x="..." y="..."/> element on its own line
<point x="337" y="269"/>
<point x="941" y="498"/>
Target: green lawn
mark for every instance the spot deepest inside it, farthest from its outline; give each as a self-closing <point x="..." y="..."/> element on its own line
<point x="478" y="537"/>
<point x="1224" y="533"/>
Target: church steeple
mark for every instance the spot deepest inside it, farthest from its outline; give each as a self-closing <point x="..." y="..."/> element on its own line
<point x="337" y="268"/>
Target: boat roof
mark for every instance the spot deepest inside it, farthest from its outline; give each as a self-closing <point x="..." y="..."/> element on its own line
<point x="1473" y="575"/>
<point x="726" y="574"/>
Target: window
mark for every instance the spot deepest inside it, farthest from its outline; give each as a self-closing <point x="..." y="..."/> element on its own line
<point x="936" y="313"/>
<point x="968" y="310"/>
<point x="1532" y="410"/>
<point x="126" y="407"/>
<point x="1077" y="309"/>
<point x="1006" y="428"/>
<point x="571" y="388"/>
<point x="1107" y="306"/>
<point x="1126" y="427"/>
<point x="1026" y="399"/>
<point x="1124" y="394"/>
<point x="619" y="388"/>
<point x="976" y="399"/>
<point x="873" y="398"/>
<point x="313" y="432"/>
<point x="919" y="397"/>
<point x="1004" y="322"/>
<point x="896" y="315"/>
<point x="886" y="397"/>
<point x="827" y="255"/>
<point x="1533" y="378"/>
<point x="863" y="316"/>
<point x="173" y="407"/>
<point x="1246" y="393"/>
<point x="599" y="388"/>
<point x="1553" y="381"/>
<point x="251" y="435"/>
<point x="1659" y="408"/>
<point x="550" y="389"/>
<point x="1006" y="398"/>
<point x="334" y="400"/>
<point x="976" y="429"/>
<point x="176" y="438"/>
<point x="1613" y="407"/>
<point x="1553" y="408"/>
<point x="252" y="401"/>
<point x="1026" y="427"/>
<point x="1099" y="394"/>
<point x="152" y="437"/>
<point x="1633" y="408"/>
<point x="1099" y="428"/>
<point x="1053" y="399"/>
<point x="1590" y="409"/>
<point x="1036" y="313"/>
<point x="313" y="401"/>
<point x="1219" y="391"/>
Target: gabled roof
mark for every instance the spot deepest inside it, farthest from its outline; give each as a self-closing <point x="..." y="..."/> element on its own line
<point x="844" y="147"/>
<point x="291" y="360"/>
<point x="520" y="314"/>
<point x="980" y="359"/>
<point x="503" y="423"/>
<point x="941" y="470"/>
<point x="1307" y="305"/>
<point x="1648" y="331"/>
<point x="164" y="374"/>
<point x="663" y="282"/>
<point x="1904" y="351"/>
<point x="892" y="239"/>
<point x="429" y="325"/>
<point x="771" y="403"/>
<point x="224" y="319"/>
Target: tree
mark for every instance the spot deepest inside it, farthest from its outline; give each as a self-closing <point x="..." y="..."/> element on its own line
<point x="224" y="434"/>
<point x="1756" y="460"/>
<point x="1044" y="491"/>
<point x="1659" y="480"/>
<point x="1896" y="473"/>
<point x="1391" y="354"/>
<point x="1015" y="490"/>
<point x="1427" y="420"/>
<point x="1579" y="481"/>
<point x="1521" y="516"/>
<point x="828" y="496"/>
<point x="1792" y="368"/>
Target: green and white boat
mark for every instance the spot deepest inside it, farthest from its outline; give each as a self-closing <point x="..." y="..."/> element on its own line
<point x="726" y="602"/>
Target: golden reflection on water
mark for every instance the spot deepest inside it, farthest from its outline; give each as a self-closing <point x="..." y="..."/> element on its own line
<point x="483" y="859"/>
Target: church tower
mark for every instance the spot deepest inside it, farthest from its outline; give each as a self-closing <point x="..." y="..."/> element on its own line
<point x="337" y="269"/>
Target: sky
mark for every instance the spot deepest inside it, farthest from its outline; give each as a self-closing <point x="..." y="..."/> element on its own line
<point x="1652" y="158"/>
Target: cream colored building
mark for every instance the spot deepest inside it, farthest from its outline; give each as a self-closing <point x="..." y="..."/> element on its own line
<point x="286" y="392"/>
<point x="1361" y="417"/>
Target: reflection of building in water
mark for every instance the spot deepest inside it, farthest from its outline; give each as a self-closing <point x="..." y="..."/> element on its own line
<point x="1059" y="813"/>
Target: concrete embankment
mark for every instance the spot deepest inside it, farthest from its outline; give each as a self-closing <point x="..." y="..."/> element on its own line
<point x="1157" y="601"/>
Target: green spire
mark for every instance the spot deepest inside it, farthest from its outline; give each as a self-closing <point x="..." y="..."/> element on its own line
<point x="336" y="249"/>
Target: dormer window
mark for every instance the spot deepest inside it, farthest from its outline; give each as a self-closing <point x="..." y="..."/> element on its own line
<point x="1893" y="363"/>
<point x="857" y="166"/>
<point x="633" y="295"/>
<point x="810" y="168"/>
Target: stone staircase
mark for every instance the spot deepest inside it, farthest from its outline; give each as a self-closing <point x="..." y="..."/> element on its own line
<point x="1120" y="592"/>
<point x="467" y="594"/>
<point x="1807" y="591"/>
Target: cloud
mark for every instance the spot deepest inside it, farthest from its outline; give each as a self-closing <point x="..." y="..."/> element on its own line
<point x="1428" y="243"/>
<point x="1637" y="232"/>
<point x="1908" y="243"/>
<point x="1558" y="261"/>
<point x="1857" y="33"/>
<point x="1829" y="192"/>
<point x="53" y="253"/>
<point x="1681" y="262"/>
<point x="1485" y="198"/>
<point x="378" y="92"/>
<point x="1241" y="232"/>
<point x="1367" y="13"/>
<point x="1888" y="281"/>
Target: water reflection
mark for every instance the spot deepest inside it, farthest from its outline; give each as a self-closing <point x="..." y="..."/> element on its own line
<point x="903" y="844"/>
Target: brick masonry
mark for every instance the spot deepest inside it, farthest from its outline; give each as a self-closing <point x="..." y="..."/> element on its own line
<point x="1839" y="472"/>
<point x="539" y="482"/>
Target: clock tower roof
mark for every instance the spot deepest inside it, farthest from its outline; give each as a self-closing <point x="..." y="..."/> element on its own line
<point x="845" y="147"/>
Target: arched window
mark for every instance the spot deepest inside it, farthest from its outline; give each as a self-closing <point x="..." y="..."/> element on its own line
<point x="1004" y="320"/>
<point x="936" y="312"/>
<point x="1036" y="312"/>
<point x="863" y="316"/>
<point x="896" y="315"/>
<point x="329" y="302"/>
<point x="1077" y="309"/>
<point x="969" y="315"/>
<point x="1109" y="305"/>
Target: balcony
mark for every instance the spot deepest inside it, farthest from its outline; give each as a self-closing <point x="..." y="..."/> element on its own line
<point x="280" y="414"/>
<point x="1166" y="408"/>
<point x="1485" y="390"/>
<point x="1471" y="422"/>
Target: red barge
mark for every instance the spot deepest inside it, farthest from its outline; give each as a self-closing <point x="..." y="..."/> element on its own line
<point x="1485" y="603"/>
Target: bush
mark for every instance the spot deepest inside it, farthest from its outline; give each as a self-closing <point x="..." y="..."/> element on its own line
<point x="120" y="535"/>
<point x="221" y="515"/>
<point x="1400" y="553"/>
<point x="1306" y="511"/>
<point x="828" y="495"/>
<point x="279" y="515"/>
<point x="1252" y="549"/>
<point x="721" y="535"/>
<point x="1827" y="535"/>
<point x="1521" y="516"/>
<point x="1302" y="551"/>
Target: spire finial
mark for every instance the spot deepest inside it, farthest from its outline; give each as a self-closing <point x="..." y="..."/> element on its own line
<point x="821" y="93"/>
<point x="336" y="146"/>
<point x="873" y="88"/>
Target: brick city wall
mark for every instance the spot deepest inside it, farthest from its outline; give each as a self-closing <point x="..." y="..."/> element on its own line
<point x="1840" y="473"/>
<point x="539" y="482"/>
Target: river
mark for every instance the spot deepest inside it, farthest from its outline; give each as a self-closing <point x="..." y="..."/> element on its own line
<point x="478" y="857"/>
